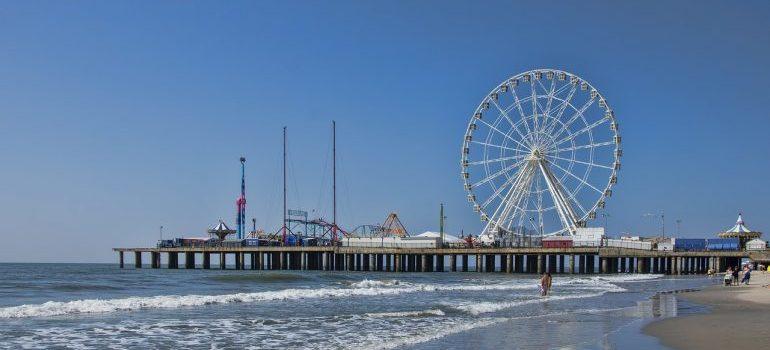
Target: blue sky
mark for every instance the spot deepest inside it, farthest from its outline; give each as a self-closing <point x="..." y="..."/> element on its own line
<point x="119" y="117"/>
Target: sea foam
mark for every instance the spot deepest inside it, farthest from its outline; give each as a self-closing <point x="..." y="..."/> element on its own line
<point x="362" y="288"/>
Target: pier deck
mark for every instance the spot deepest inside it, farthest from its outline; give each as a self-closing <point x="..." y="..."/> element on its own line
<point x="584" y="260"/>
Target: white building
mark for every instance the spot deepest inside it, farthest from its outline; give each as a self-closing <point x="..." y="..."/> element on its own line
<point x="756" y="244"/>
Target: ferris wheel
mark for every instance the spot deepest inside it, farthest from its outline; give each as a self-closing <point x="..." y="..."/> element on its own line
<point x="541" y="154"/>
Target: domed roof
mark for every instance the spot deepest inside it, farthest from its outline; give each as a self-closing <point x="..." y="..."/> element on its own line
<point x="221" y="230"/>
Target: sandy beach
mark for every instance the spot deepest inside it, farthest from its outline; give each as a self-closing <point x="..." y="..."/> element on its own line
<point x="739" y="318"/>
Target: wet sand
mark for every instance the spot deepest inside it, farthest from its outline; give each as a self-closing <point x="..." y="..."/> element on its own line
<point x="739" y="318"/>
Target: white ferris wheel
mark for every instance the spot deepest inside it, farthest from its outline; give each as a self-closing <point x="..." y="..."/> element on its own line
<point x="541" y="153"/>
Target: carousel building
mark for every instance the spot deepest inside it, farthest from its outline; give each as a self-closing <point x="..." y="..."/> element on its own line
<point x="740" y="231"/>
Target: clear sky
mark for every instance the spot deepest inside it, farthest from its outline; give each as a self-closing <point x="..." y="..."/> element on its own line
<point x="118" y="117"/>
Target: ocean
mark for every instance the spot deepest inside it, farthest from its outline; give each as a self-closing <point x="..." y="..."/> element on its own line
<point x="100" y="306"/>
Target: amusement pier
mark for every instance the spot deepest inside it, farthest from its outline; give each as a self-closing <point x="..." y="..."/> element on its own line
<point x="540" y="159"/>
<point x="507" y="260"/>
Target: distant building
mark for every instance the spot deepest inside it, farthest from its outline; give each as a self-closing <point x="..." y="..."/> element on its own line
<point x="741" y="232"/>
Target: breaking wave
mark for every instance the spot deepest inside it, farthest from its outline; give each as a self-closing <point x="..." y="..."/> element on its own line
<point x="361" y="288"/>
<point x="487" y="307"/>
<point x="429" y="312"/>
<point x="89" y="306"/>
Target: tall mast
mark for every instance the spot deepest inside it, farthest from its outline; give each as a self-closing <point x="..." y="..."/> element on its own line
<point x="441" y="223"/>
<point x="334" y="181"/>
<point x="283" y="228"/>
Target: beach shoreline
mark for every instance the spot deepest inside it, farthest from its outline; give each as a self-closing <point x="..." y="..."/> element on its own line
<point x="738" y="318"/>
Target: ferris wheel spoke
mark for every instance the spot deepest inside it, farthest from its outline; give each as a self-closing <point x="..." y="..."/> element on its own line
<point x="581" y="131"/>
<point x="517" y="103"/>
<point x="562" y="89"/>
<point x="499" y="190"/>
<point x="509" y="211"/>
<point x="549" y="102"/>
<point x="506" y="201"/>
<point x="581" y="162"/>
<point x="493" y="145"/>
<point x="508" y="118"/>
<point x="486" y="161"/>
<point x="543" y="117"/>
<point x="539" y="205"/>
<point x="504" y="134"/>
<point x="534" y="109"/>
<point x="571" y="196"/>
<point x="495" y="195"/>
<point x="577" y="178"/>
<point x="525" y="203"/>
<point x="563" y="106"/>
<point x="593" y="145"/>
<point x="497" y="174"/>
<point x="578" y="114"/>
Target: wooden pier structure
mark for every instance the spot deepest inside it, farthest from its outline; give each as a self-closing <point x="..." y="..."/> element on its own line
<point x="507" y="260"/>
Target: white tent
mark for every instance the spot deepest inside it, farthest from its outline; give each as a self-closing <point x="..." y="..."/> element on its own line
<point x="447" y="237"/>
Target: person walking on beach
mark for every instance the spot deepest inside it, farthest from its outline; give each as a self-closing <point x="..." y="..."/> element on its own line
<point x="746" y="276"/>
<point x="735" y="276"/>
<point x="545" y="284"/>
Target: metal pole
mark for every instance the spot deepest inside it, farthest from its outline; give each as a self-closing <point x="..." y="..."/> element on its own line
<point x="662" y="224"/>
<point x="441" y="224"/>
<point x="283" y="228"/>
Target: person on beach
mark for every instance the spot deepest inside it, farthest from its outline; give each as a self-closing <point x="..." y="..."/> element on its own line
<point x="728" y="276"/>
<point x="545" y="284"/>
<point x="735" y="276"/>
<point x="746" y="276"/>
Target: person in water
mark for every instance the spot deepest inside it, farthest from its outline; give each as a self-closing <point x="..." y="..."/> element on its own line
<point x="545" y="284"/>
